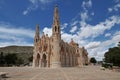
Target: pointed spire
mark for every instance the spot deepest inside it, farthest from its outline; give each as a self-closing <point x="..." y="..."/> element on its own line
<point x="56" y="22"/>
<point x="56" y="16"/>
<point x="37" y="28"/>
<point x="37" y="33"/>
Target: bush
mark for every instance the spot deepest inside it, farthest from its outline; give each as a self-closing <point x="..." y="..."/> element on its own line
<point x="113" y="55"/>
<point x="107" y="65"/>
<point x="93" y="60"/>
<point x="10" y="59"/>
<point x="14" y="59"/>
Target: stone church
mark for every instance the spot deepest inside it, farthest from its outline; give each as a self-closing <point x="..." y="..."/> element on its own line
<point x="53" y="52"/>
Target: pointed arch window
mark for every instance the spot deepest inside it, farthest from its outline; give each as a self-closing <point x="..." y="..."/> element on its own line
<point x="36" y="40"/>
<point x="55" y="28"/>
<point x="58" y="28"/>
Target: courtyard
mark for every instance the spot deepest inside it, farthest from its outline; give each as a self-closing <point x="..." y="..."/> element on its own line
<point x="70" y="73"/>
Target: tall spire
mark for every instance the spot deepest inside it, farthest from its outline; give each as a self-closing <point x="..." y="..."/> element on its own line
<point x="56" y="21"/>
<point x="56" y="16"/>
<point x="37" y="37"/>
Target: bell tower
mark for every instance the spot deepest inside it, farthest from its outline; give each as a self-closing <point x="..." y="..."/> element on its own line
<point x="56" y="24"/>
<point x="56" y="39"/>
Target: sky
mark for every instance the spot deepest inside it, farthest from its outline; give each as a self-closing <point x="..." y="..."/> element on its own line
<point x="94" y="24"/>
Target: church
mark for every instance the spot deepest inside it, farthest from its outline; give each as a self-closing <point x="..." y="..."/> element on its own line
<point x="53" y="52"/>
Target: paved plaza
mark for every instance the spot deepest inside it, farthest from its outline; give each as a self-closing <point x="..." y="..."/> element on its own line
<point x="85" y="73"/>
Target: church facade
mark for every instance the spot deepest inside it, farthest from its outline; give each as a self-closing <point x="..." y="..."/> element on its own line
<point x="53" y="52"/>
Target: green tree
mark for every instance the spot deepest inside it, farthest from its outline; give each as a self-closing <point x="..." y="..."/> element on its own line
<point x="113" y="56"/>
<point x="19" y="61"/>
<point x="119" y="44"/>
<point x="2" y="60"/>
<point x="10" y="59"/>
<point x="30" y="59"/>
<point x="93" y="60"/>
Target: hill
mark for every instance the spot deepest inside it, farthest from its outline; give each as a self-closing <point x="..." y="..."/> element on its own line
<point x="22" y="52"/>
<point x="17" y="49"/>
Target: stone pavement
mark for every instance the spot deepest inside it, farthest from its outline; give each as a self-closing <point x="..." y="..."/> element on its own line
<point x="85" y="73"/>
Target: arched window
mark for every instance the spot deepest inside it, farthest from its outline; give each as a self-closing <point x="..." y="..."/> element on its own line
<point x="44" y="56"/>
<point x="36" y="40"/>
<point x="38" y="56"/>
<point x="58" y="28"/>
<point x="38" y="60"/>
<point x="55" y="28"/>
<point x="44" y="61"/>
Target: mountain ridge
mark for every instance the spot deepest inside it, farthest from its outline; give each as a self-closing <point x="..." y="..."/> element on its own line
<point x="16" y="49"/>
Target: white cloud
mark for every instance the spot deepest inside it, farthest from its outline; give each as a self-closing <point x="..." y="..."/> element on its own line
<point x="9" y="35"/>
<point x="29" y="9"/>
<point x="25" y="12"/>
<point x="84" y="17"/>
<point x="6" y="36"/>
<point x="16" y="31"/>
<point x="110" y="9"/>
<point x="74" y="28"/>
<point x="107" y="34"/>
<point x="34" y="1"/>
<point x="35" y="4"/>
<point x="116" y="7"/>
<point x="103" y="47"/>
<point x="113" y="41"/>
<point x="87" y="32"/>
<point x="67" y="37"/>
<point x="15" y="43"/>
<point x="117" y="33"/>
<point x="116" y="37"/>
<point x="46" y="1"/>
<point x="92" y="13"/>
<point x="92" y="45"/>
<point x="63" y="26"/>
<point x="48" y="31"/>
<point x="87" y="3"/>
<point x="98" y="52"/>
<point x="84" y="14"/>
<point x="74" y="23"/>
<point x="96" y="30"/>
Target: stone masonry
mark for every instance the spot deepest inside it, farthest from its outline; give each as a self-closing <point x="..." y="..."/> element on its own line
<point x="53" y="52"/>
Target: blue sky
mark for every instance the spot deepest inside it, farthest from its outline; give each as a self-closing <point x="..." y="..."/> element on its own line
<point x="94" y="24"/>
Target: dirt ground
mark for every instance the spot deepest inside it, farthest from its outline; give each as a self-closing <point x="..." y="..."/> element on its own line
<point x="85" y="73"/>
